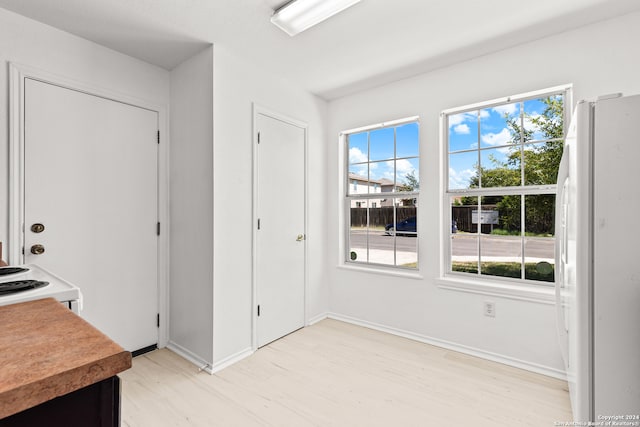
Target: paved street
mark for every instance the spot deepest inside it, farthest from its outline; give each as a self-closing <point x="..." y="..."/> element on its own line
<point x="536" y="248"/>
<point x="379" y="240"/>
<point x="464" y="246"/>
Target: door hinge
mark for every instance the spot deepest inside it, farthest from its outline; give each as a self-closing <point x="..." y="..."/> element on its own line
<point x="158" y="320"/>
<point x="158" y="137"/>
<point x="258" y="137"/>
<point x="258" y="310"/>
<point x="158" y="228"/>
<point x="258" y="223"/>
<point x="23" y="250"/>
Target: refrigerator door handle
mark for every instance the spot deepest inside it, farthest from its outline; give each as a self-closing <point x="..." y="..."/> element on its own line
<point x="561" y="247"/>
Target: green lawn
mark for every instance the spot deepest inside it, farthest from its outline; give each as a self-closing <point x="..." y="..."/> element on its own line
<point x="532" y="271"/>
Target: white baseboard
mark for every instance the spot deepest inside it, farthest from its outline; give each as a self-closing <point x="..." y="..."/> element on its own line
<point x="230" y="360"/>
<point x="529" y="366"/>
<point x="202" y="364"/>
<point x="315" y="319"/>
<point x="188" y="355"/>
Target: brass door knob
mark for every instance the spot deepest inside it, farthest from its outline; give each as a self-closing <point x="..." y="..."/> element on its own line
<point x="37" y="249"/>
<point x="300" y="238"/>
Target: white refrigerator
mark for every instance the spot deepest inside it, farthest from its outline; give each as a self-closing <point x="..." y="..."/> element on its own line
<point x="598" y="259"/>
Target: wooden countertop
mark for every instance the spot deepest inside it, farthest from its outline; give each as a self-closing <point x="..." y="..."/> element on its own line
<point x="47" y="351"/>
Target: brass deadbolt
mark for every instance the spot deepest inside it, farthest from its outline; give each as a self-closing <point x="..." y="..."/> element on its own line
<point x="37" y="249"/>
<point x="37" y="228"/>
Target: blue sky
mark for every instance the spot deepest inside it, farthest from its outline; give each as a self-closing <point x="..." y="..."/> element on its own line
<point x="373" y="152"/>
<point x="493" y="142"/>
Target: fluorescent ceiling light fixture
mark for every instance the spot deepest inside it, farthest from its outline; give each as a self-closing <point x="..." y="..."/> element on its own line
<point x="299" y="15"/>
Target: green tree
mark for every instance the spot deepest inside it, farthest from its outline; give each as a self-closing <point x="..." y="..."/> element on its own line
<point x="411" y="182"/>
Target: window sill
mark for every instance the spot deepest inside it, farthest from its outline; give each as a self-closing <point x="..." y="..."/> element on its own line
<point x="408" y="274"/>
<point x="523" y="292"/>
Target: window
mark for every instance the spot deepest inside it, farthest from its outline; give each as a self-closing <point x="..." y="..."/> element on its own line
<point x="502" y="160"/>
<point x="383" y="159"/>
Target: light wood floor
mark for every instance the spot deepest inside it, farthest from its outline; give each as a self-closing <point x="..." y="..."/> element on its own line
<point x="337" y="374"/>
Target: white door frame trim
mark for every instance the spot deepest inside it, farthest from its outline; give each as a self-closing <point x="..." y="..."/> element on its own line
<point x="259" y="109"/>
<point x="17" y="75"/>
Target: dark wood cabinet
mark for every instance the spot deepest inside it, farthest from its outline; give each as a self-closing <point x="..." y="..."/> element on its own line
<point x="96" y="405"/>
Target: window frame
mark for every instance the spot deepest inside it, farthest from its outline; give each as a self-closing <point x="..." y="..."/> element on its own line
<point x="348" y="199"/>
<point x="520" y="288"/>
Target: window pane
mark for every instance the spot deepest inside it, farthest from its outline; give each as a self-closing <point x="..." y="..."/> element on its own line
<point x="464" y="240"/>
<point x="501" y="241"/>
<point x="407" y="175"/>
<point x="500" y="215"/>
<point x="381" y="248"/>
<point x="358" y="182"/>
<point x="403" y="233"/>
<point x="358" y="238"/>
<point x="381" y="144"/>
<point x="382" y="170"/>
<point x="463" y="170"/>
<point x="462" y="208"/>
<point x="500" y="125"/>
<point x="540" y="215"/>
<point x="539" y="258"/>
<point x="541" y="162"/>
<point x="500" y="167"/>
<point x="543" y="118"/>
<point x="540" y="241"/>
<point x="407" y="141"/>
<point x="358" y="147"/>
<point x="463" y="131"/>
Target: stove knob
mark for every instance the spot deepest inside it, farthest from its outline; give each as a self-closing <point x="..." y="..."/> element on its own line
<point x="37" y="249"/>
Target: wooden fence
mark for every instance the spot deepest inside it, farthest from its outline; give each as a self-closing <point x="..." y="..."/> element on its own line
<point x="379" y="217"/>
<point x="463" y="217"/>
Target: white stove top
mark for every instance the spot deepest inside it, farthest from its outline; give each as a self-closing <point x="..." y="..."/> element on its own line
<point x="57" y="288"/>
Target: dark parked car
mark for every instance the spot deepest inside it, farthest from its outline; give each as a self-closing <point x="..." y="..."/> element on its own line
<point x="405" y="227"/>
<point x="408" y="227"/>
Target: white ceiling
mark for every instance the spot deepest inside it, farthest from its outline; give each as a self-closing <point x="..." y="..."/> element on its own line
<point x="371" y="43"/>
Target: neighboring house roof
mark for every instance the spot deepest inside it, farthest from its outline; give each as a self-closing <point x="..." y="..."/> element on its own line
<point x="384" y="182"/>
<point x="364" y="178"/>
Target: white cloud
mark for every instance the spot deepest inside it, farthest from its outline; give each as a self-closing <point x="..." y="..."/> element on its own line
<point x="357" y="156"/>
<point x="470" y="116"/>
<point x="460" y="179"/>
<point x="404" y="167"/>
<point x="462" y="129"/>
<point x="359" y="170"/>
<point x="509" y="109"/>
<point x="457" y="119"/>
<point x="501" y="138"/>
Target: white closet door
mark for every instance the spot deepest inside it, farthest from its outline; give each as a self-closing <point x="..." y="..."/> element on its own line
<point x="280" y="273"/>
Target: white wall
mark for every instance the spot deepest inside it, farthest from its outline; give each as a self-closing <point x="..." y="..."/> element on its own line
<point x="598" y="59"/>
<point x="237" y="84"/>
<point x="31" y="43"/>
<point x="191" y="183"/>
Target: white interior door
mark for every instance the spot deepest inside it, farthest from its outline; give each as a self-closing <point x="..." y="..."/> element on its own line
<point x="280" y="239"/>
<point x="91" y="179"/>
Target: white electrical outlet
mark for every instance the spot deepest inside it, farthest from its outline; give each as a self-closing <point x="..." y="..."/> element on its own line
<point x="489" y="309"/>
